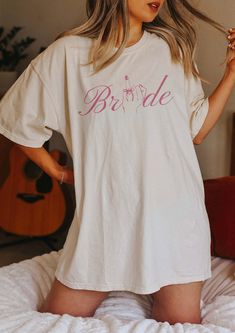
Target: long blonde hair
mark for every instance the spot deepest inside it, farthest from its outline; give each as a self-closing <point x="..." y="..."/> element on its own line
<point x="173" y="24"/>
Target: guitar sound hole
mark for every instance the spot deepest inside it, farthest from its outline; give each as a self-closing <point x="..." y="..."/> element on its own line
<point x="32" y="170"/>
<point x="44" y="184"/>
<point x="29" y="197"/>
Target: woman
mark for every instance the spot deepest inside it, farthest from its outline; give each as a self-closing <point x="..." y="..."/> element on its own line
<point x="124" y="91"/>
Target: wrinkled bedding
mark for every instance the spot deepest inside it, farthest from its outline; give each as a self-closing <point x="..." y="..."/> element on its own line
<point x="24" y="285"/>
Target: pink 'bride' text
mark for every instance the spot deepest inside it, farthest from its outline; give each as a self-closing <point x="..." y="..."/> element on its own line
<point x="100" y="98"/>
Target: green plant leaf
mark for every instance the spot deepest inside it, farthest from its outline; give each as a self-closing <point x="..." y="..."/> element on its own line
<point x="12" y="50"/>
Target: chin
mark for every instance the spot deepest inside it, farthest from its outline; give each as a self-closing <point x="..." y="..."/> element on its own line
<point x="148" y="19"/>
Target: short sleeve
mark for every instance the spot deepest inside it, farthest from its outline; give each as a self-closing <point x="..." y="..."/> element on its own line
<point x="27" y="112"/>
<point x="197" y="104"/>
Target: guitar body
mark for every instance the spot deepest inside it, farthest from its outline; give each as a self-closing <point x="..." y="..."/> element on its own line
<point x="31" y="202"/>
<point x="5" y="147"/>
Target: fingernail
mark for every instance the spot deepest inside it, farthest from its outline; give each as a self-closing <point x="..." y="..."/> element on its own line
<point x="229" y="37"/>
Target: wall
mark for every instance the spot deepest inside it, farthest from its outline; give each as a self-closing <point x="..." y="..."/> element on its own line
<point x="44" y="20"/>
<point x="214" y="153"/>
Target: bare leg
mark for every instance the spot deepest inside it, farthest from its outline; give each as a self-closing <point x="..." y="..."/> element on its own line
<point x="78" y="303"/>
<point x="179" y="303"/>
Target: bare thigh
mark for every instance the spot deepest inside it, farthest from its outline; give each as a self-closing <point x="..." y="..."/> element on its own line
<point x="78" y="303"/>
<point x="178" y="303"/>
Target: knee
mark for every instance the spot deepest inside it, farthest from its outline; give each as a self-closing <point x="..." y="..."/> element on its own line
<point x="173" y="319"/>
<point x="59" y="309"/>
<point x="47" y="307"/>
<point x="182" y="315"/>
<point x="179" y="303"/>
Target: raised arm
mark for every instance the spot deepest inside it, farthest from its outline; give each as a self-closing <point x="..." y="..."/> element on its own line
<point x="219" y="97"/>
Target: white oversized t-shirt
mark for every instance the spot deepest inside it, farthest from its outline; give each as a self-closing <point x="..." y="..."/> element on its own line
<point x="140" y="221"/>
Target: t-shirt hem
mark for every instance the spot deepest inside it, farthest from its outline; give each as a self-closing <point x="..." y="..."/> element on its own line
<point x="137" y="290"/>
<point x="23" y="142"/>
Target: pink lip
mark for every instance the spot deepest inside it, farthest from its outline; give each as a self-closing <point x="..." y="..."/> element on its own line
<point x="154" y="8"/>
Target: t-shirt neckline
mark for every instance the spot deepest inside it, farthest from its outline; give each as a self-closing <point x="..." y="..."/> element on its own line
<point x="140" y="43"/>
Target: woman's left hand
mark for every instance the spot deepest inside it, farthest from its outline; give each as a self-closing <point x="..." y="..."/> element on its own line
<point x="231" y="53"/>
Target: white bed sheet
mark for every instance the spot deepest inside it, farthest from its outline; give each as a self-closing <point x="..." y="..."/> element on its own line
<point x="24" y="285"/>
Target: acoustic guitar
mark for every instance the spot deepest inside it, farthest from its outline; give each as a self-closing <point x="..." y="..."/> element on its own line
<point x="31" y="202"/>
<point x="5" y="148"/>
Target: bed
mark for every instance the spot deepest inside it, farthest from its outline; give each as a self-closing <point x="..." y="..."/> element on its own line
<point x="24" y="285"/>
